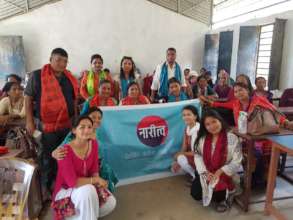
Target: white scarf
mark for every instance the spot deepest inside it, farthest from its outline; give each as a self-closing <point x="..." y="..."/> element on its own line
<point x="193" y="133"/>
<point x="207" y="190"/>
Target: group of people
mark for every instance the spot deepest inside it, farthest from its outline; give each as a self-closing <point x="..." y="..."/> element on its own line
<point x="211" y="152"/>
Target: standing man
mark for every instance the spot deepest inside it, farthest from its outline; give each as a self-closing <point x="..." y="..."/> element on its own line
<point x="51" y="99"/>
<point x="163" y="73"/>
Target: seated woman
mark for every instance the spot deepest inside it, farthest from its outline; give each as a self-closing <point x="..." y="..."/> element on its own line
<point x="222" y="88"/>
<point x="241" y="78"/>
<point x="208" y="75"/>
<point x="127" y="75"/>
<point x="12" y="107"/>
<point x="91" y="79"/>
<point x="106" y="172"/>
<point x="260" y="83"/>
<point x="102" y="98"/>
<point x="193" y="78"/>
<point x="134" y="96"/>
<point x="184" y="159"/>
<point x="78" y="177"/>
<point x="217" y="159"/>
<point x="244" y="101"/>
<point x="175" y="93"/>
<point x="202" y="88"/>
<point x="231" y="81"/>
<point x="10" y="78"/>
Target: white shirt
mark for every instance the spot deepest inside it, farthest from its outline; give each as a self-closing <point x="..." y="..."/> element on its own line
<point x="7" y="108"/>
<point x="234" y="156"/>
<point x="171" y="73"/>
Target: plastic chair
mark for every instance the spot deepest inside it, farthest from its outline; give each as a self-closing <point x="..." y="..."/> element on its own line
<point x="15" y="180"/>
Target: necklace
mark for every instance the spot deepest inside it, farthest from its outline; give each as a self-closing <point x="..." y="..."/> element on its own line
<point x="83" y="156"/>
<point x="84" y="161"/>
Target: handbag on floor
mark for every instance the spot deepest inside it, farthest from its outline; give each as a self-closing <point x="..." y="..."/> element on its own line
<point x="19" y="138"/>
<point x="63" y="208"/>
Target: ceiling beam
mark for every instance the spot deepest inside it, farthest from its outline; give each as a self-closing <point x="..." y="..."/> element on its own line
<point x="221" y="3"/>
<point x="27" y="5"/>
<point x="211" y="13"/>
<point x="179" y="9"/>
<point x="179" y="6"/>
<point x="192" y="7"/>
<point x="15" y="5"/>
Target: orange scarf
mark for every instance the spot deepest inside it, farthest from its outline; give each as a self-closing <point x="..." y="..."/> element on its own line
<point x="54" y="112"/>
<point x="142" y="100"/>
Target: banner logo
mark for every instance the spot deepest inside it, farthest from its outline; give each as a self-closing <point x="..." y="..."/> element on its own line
<point x="152" y="130"/>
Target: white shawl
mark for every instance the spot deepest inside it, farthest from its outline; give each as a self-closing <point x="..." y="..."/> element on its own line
<point x="193" y="133"/>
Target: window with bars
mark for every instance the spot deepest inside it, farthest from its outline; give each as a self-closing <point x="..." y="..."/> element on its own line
<point x="264" y="51"/>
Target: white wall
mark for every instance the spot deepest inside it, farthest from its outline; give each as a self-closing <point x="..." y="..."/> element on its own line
<point x="112" y="28"/>
<point x="286" y="79"/>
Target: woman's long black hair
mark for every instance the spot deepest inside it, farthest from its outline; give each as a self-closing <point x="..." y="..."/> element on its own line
<point x="250" y="87"/>
<point x="244" y="86"/>
<point x="77" y="121"/>
<point x="193" y="110"/>
<point x="8" y="86"/>
<point x="132" y="72"/>
<point x="80" y="118"/>
<point x="203" y="131"/>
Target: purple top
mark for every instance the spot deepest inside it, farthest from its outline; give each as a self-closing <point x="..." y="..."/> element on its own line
<point x="222" y="91"/>
<point x="287" y="98"/>
<point x="73" y="167"/>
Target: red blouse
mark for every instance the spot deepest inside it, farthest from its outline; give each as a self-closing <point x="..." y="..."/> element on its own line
<point x="96" y="101"/>
<point x="142" y="100"/>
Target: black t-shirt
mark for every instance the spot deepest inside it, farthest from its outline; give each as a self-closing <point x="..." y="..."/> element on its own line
<point x="34" y="90"/>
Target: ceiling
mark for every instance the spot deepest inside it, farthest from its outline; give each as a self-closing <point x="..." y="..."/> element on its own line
<point x="208" y="12"/>
<point x="200" y="10"/>
<point x="10" y="8"/>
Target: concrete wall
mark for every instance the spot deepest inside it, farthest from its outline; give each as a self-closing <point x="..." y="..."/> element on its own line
<point x="286" y="79"/>
<point x="113" y="28"/>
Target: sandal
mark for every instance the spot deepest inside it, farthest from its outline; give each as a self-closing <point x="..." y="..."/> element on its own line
<point x="222" y="206"/>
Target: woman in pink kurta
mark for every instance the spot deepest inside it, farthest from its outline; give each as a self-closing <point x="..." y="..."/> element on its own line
<point x="78" y="176"/>
<point x="72" y="167"/>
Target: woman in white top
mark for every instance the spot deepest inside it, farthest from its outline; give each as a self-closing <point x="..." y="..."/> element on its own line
<point x="217" y="159"/>
<point x="184" y="159"/>
<point x="12" y="106"/>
